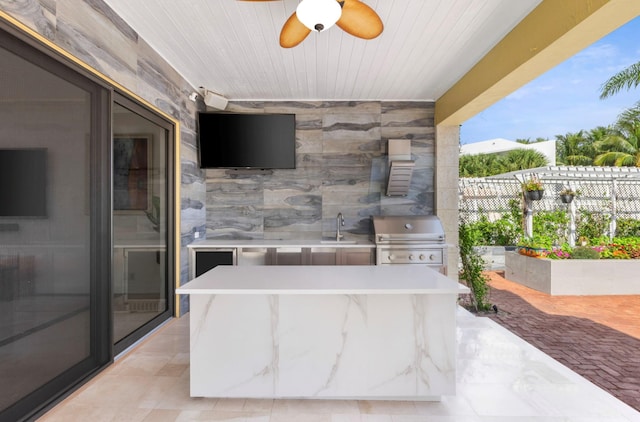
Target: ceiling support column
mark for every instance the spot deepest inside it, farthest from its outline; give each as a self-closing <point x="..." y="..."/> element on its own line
<point x="447" y="148"/>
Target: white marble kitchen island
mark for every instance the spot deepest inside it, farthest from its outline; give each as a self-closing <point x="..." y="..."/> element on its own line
<point x="353" y="332"/>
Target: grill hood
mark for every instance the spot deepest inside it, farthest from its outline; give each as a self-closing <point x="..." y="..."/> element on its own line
<point x="412" y="228"/>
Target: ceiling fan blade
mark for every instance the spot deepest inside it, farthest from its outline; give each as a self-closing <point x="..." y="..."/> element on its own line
<point x="293" y="32"/>
<point x="360" y="20"/>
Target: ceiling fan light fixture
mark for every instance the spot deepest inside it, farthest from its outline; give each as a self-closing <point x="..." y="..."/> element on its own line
<point x="318" y="15"/>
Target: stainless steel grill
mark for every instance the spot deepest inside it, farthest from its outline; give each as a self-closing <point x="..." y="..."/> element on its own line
<point x="414" y="239"/>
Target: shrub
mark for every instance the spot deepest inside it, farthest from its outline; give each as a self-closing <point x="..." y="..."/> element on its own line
<point x="584" y="252"/>
<point x="501" y="232"/>
<point x="551" y="225"/>
<point x="592" y="225"/>
<point x="472" y="268"/>
<point x="537" y="242"/>
<point x="505" y="231"/>
<point x="621" y="248"/>
<point x="627" y="227"/>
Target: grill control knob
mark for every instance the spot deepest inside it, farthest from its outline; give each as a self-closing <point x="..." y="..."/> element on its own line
<point x="422" y="257"/>
<point x="432" y="257"/>
<point x="411" y="258"/>
<point x="392" y="257"/>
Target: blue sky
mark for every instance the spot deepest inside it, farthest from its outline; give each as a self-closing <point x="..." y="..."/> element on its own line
<point x="566" y="98"/>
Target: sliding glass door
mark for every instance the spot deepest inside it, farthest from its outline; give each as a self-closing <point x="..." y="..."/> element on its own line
<point x="142" y="217"/>
<point x="86" y="224"/>
<point x="54" y="254"/>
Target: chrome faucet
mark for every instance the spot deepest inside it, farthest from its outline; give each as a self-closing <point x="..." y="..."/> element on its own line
<point x="339" y="222"/>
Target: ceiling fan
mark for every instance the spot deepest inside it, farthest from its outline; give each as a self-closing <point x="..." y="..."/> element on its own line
<point x="352" y="16"/>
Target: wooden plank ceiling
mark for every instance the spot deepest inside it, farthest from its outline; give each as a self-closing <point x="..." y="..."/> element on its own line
<point x="231" y="47"/>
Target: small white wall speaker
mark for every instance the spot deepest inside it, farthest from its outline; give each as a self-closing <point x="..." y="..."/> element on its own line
<point x="211" y="99"/>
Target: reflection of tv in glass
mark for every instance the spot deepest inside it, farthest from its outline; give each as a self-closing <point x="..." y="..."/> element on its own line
<point x="23" y="182"/>
<point x="242" y="140"/>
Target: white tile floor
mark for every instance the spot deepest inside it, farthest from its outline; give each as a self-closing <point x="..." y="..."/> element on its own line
<point x="501" y="378"/>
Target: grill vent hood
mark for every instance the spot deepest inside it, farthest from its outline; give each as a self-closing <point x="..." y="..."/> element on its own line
<point x="400" y="167"/>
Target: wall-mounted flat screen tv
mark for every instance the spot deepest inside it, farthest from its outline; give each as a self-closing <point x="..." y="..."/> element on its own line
<point x="247" y="141"/>
<point x="23" y="182"/>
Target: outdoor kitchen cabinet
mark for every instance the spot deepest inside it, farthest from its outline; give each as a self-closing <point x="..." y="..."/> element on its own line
<point x="202" y="260"/>
<point x="288" y="256"/>
<point x="356" y="256"/>
<point x="323" y="256"/>
<point x="203" y="257"/>
<point x="254" y="256"/>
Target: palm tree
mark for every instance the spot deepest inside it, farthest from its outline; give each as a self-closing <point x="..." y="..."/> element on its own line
<point x="625" y="79"/>
<point x="522" y="159"/>
<point x="597" y="134"/>
<point x="621" y="152"/>
<point x="629" y="115"/>
<point x="575" y="149"/>
<point x="480" y="165"/>
<point x="622" y="146"/>
<point x="483" y="165"/>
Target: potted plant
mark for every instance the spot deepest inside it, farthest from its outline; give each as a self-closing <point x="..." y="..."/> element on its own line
<point x="567" y="195"/>
<point x="533" y="188"/>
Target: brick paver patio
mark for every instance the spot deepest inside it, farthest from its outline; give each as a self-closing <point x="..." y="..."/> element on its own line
<point x="596" y="336"/>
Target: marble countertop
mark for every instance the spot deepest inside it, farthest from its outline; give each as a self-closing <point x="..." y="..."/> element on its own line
<point x="278" y="243"/>
<point x="315" y="280"/>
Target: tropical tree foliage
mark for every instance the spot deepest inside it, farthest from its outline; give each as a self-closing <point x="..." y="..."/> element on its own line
<point x="625" y="79"/>
<point x="483" y="165"/>
<point x="522" y="159"/>
<point x="621" y="147"/>
<point x="574" y="149"/>
<point x="529" y="141"/>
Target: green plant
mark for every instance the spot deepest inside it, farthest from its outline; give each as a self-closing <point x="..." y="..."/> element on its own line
<point x="551" y="225"/>
<point x="569" y="191"/>
<point x="584" y="252"/>
<point x="502" y="232"/>
<point x="472" y="272"/>
<point x="536" y="242"/>
<point x="627" y="227"/>
<point x="532" y="184"/>
<point x="591" y="225"/>
<point x="562" y="252"/>
<point x="620" y="248"/>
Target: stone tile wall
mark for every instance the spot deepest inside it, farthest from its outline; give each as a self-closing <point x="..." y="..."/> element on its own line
<point x="341" y="159"/>
<point x="341" y="149"/>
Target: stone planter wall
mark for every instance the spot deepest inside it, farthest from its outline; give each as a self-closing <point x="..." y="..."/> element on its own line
<point x="493" y="257"/>
<point x="580" y="277"/>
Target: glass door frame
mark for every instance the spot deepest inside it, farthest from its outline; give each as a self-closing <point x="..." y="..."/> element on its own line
<point x="169" y="127"/>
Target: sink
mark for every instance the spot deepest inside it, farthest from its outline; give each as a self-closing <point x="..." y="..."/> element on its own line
<point x="338" y="242"/>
